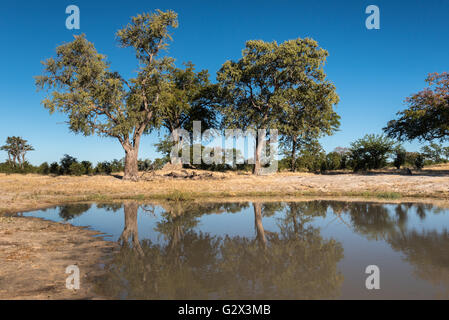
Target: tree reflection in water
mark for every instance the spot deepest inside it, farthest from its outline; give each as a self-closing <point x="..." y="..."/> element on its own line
<point x="426" y="251"/>
<point x="296" y="263"/>
<point x="293" y="262"/>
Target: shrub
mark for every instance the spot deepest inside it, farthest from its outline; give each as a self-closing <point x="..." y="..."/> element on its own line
<point x="371" y="152"/>
<point x="400" y="156"/>
<point x="103" y="168"/>
<point x="333" y="161"/>
<point x="419" y="162"/>
<point x="44" y="168"/>
<point x="87" y="165"/>
<point x="76" y="169"/>
<point x="54" y="168"/>
<point x="66" y="162"/>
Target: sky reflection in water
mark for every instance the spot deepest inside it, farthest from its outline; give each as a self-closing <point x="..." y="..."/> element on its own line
<point x="294" y="250"/>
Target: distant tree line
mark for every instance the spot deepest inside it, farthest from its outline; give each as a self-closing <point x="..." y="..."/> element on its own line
<point x="368" y="153"/>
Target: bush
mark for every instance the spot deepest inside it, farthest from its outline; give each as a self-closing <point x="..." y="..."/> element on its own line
<point x="103" y="168"/>
<point x="400" y="156"/>
<point x="9" y="167"/>
<point x="117" y="165"/>
<point x="76" y="169"/>
<point x="419" y="161"/>
<point x="54" y="168"/>
<point x="371" y="152"/>
<point x="87" y="165"/>
<point x="44" y="168"/>
<point x="66" y="163"/>
<point x="333" y="161"/>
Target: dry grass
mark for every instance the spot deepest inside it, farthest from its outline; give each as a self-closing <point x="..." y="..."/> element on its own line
<point x="27" y="192"/>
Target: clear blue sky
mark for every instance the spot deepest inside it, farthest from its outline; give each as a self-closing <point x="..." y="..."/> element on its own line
<point x="373" y="70"/>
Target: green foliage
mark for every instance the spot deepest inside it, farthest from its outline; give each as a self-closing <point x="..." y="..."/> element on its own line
<point x="427" y="115"/>
<point x="333" y="161"/>
<point x="371" y="152"/>
<point x="9" y="167"/>
<point x="435" y="152"/>
<point x="87" y="165"/>
<point x="104" y="167"/>
<point x="100" y="101"/>
<point x="278" y="87"/>
<point x="44" y="168"/>
<point x="77" y="169"/>
<point x="16" y="147"/>
<point x="65" y="164"/>
<point x="345" y="155"/>
<point x="54" y="168"/>
<point x="419" y="161"/>
<point x="399" y="157"/>
<point x="189" y="97"/>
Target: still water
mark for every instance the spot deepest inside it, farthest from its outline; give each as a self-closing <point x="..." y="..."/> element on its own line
<point x="291" y="250"/>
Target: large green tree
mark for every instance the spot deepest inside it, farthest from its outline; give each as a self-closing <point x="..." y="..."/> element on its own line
<point x="100" y="101"/>
<point x="427" y="115"/>
<point x="189" y="98"/>
<point x="311" y="116"/>
<point x="273" y="82"/>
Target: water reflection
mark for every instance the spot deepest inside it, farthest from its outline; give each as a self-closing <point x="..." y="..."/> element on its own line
<point x="295" y="263"/>
<point x="295" y="251"/>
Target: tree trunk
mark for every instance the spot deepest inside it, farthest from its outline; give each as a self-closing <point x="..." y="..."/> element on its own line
<point x="260" y="232"/>
<point x="257" y="155"/>
<point x="131" y="167"/>
<point x="176" y="160"/>
<point x="131" y="228"/>
<point x="293" y="165"/>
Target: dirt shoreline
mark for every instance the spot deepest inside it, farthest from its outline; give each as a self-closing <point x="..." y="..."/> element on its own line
<point x="20" y="193"/>
<point x="34" y="255"/>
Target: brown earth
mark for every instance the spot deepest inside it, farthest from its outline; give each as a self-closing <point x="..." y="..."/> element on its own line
<point x="35" y="253"/>
<point x="28" y="192"/>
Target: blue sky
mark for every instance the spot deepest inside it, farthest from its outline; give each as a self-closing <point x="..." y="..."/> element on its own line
<point x="373" y="70"/>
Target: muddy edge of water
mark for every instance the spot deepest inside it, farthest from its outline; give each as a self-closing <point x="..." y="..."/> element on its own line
<point x="35" y="254"/>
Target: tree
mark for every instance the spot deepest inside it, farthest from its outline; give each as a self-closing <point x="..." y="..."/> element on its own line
<point x="333" y="161"/>
<point x="16" y="147"/>
<point x="270" y="83"/>
<point x="427" y="115"/>
<point x="345" y="154"/>
<point x="400" y="157"/>
<point x="98" y="100"/>
<point x="310" y="116"/>
<point x="65" y="164"/>
<point x="54" y="168"/>
<point x="311" y="156"/>
<point x="371" y="152"/>
<point x="434" y="152"/>
<point x="189" y="98"/>
<point x="419" y="161"/>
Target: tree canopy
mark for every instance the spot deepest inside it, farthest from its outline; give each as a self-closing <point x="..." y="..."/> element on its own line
<point x="427" y="115"/>
<point x="98" y="100"/>
<point x="277" y="86"/>
<point x="16" y="147"/>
